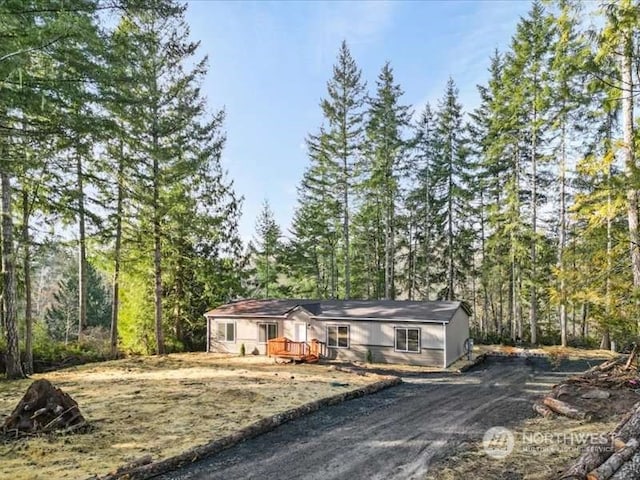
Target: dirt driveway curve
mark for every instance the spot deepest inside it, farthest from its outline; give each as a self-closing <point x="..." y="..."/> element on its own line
<point x="393" y="434"/>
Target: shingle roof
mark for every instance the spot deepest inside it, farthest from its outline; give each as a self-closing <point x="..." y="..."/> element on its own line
<point x="268" y="307"/>
<point x="440" y="311"/>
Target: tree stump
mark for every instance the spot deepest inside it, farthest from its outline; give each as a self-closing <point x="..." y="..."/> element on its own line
<point x="42" y="409"/>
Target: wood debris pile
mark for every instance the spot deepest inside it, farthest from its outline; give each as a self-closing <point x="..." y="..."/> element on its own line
<point x="615" y="456"/>
<point x="607" y="389"/>
<point x="43" y="409"/>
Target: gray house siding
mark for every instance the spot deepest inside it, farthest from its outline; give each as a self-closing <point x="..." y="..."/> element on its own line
<point x="441" y="343"/>
<point x="379" y="338"/>
<point x="457" y="333"/>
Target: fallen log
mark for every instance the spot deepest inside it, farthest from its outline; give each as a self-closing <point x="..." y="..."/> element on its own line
<point x="596" y="393"/>
<point x="596" y="454"/>
<point x="631" y="358"/>
<point x="565" y="409"/>
<point x="631" y="469"/>
<point x="543" y="410"/>
<point x="614" y="462"/>
<point x="608" y="365"/>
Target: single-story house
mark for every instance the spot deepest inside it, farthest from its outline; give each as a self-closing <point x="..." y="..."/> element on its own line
<point x="409" y="332"/>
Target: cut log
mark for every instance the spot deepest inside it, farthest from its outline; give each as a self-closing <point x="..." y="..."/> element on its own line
<point x="609" y="365"/>
<point x="43" y="408"/>
<point x="542" y="409"/>
<point x="596" y="393"/>
<point x="562" y="390"/>
<point x="631" y="469"/>
<point x="596" y="454"/>
<point x="563" y="408"/>
<point x="614" y="462"/>
<point x="631" y="358"/>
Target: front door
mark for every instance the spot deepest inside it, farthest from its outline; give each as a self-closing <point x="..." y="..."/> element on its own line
<point x="300" y="332"/>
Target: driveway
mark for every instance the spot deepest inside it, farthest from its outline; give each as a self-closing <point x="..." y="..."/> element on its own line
<point x="393" y="434"/>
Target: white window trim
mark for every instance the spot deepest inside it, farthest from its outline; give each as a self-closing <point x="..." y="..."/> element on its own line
<point x="267" y="331"/>
<point x="225" y="323"/>
<point x="348" y="327"/>
<point x="395" y="339"/>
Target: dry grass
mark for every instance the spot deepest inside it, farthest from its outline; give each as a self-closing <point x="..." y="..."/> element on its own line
<point x="161" y="406"/>
<point x="543" y="448"/>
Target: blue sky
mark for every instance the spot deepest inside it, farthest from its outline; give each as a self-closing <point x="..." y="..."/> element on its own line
<point x="270" y="61"/>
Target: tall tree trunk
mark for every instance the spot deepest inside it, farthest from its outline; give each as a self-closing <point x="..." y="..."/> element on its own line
<point x="628" y="150"/>
<point x="608" y="300"/>
<point x="115" y="285"/>
<point x="387" y="249"/>
<point x="82" y="251"/>
<point x="345" y="224"/>
<point x="450" y="292"/>
<point x="26" y="266"/>
<point x="427" y="235"/>
<point x="12" y="354"/>
<point x="483" y="249"/>
<point x="533" y="306"/>
<point x="562" y="240"/>
<point x="157" y="259"/>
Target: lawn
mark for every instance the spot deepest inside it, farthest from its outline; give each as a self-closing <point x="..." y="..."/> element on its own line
<point x="161" y="406"/>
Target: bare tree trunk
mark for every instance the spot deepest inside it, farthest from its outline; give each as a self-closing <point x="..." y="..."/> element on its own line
<point x="12" y="355"/>
<point x="533" y="302"/>
<point x="628" y="150"/>
<point x="450" y="269"/>
<point x="157" y="258"/>
<point x="345" y="225"/>
<point x="26" y="266"/>
<point x="608" y="302"/>
<point x="389" y="240"/>
<point x="562" y="240"/>
<point x="483" y="247"/>
<point x="115" y="300"/>
<point x="82" y="252"/>
<point x="427" y="230"/>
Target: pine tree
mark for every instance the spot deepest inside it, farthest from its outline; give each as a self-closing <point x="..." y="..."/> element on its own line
<point x="450" y="185"/>
<point x="166" y="113"/>
<point x="343" y="111"/>
<point x="266" y="252"/>
<point x="386" y="153"/>
<point x="423" y="208"/>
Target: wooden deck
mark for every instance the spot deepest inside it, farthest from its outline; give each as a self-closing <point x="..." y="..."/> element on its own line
<point x="309" y="352"/>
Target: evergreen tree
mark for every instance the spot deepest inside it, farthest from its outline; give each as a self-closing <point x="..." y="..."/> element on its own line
<point x="452" y="198"/>
<point x="343" y="111"/>
<point x="266" y="251"/>
<point x="423" y="209"/>
<point x="386" y="154"/>
<point x="62" y="315"/>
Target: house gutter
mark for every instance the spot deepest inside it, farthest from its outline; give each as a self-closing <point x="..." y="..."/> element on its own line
<point x="246" y="316"/>
<point x="208" y="334"/>
<point x="374" y="319"/>
<point x="444" y="337"/>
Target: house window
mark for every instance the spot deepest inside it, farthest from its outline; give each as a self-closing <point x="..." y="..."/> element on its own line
<point x="227" y="332"/>
<point x="267" y="331"/>
<point x="338" y="336"/>
<point x="407" y="340"/>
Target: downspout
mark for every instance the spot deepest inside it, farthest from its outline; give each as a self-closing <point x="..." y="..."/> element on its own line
<point x="208" y="334"/>
<point x="444" y="337"/>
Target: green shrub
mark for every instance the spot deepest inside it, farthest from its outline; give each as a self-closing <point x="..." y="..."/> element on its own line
<point x="242" y="350"/>
<point x="369" y="357"/>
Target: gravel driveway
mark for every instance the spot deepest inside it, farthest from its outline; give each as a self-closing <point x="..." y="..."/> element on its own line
<point x="393" y="434"/>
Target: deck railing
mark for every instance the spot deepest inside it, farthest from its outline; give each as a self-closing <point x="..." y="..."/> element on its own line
<point x="282" y="346"/>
